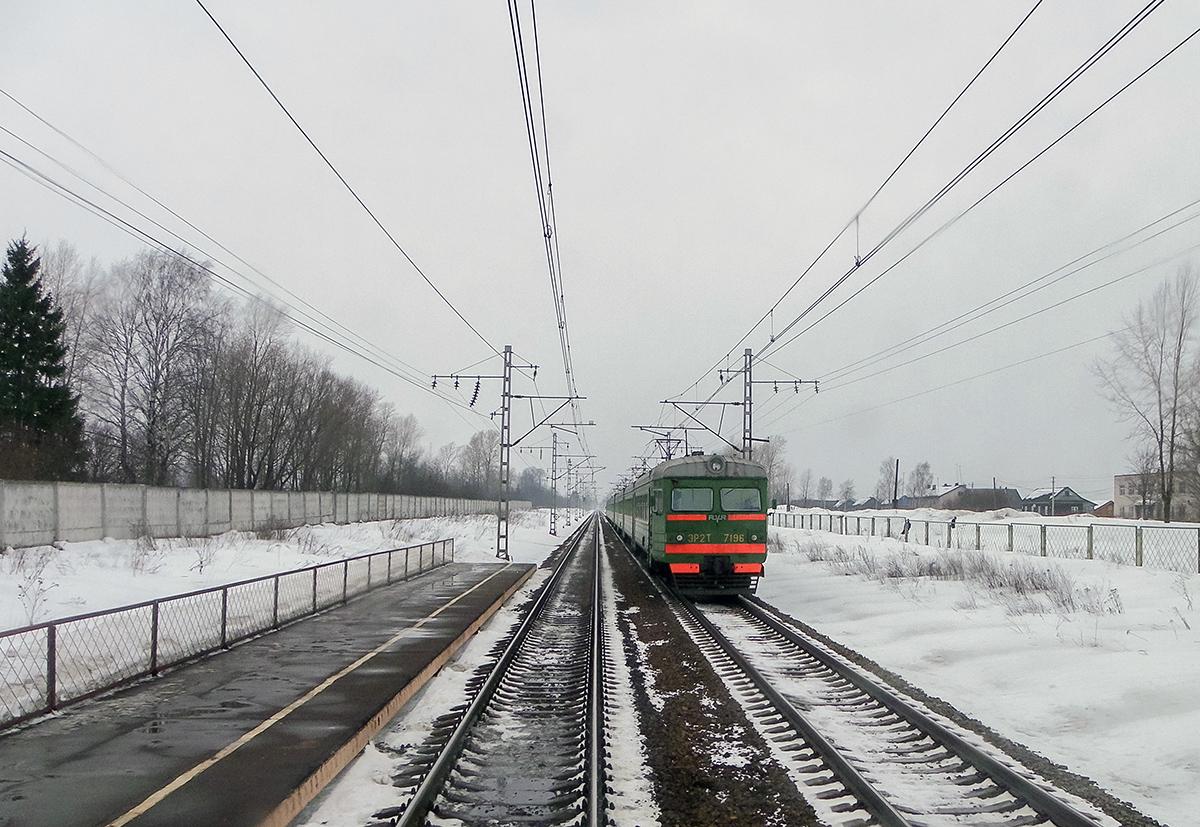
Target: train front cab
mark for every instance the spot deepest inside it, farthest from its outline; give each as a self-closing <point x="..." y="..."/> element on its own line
<point x="714" y="534"/>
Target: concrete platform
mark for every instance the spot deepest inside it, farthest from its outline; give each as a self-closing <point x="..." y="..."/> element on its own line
<point x="249" y="736"/>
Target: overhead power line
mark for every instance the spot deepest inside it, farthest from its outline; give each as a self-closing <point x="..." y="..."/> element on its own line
<point x="777" y="344"/>
<point x="151" y="240"/>
<point x="1034" y="358"/>
<point x="998" y="303"/>
<point x="342" y="179"/>
<point x="870" y="200"/>
<point x="184" y="220"/>
<point x="534" y="113"/>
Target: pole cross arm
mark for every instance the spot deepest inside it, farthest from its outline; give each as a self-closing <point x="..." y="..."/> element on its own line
<point x="705" y="427"/>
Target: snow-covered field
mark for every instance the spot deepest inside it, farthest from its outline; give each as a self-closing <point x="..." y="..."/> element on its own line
<point x="47" y="582"/>
<point x="1174" y="546"/>
<point x="1092" y="664"/>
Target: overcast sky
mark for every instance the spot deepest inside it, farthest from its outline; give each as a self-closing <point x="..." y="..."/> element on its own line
<point x="703" y="154"/>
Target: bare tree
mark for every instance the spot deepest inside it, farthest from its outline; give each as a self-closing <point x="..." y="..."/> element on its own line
<point x="1147" y="379"/>
<point x="920" y="480"/>
<point x="887" y="480"/>
<point x="804" y="486"/>
<point x="824" y="488"/>
<point x="779" y="473"/>
<point x="1145" y="464"/>
<point x="75" y="286"/>
<point x="846" y="490"/>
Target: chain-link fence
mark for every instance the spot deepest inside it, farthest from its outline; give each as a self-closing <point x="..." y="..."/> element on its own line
<point x="48" y="665"/>
<point x="1170" y="547"/>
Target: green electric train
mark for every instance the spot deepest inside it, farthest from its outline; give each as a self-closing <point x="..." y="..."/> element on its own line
<point x="699" y="520"/>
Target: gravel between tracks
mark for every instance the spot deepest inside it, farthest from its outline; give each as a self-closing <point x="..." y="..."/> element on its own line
<point x="709" y="765"/>
<point x="1056" y="774"/>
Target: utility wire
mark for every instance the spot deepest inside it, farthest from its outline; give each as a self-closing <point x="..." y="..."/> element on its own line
<point x="971" y="378"/>
<point x="331" y="323"/>
<point x="129" y="182"/>
<point x="1075" y="74"/>
<point x="991" y="306"/>
<point x="147" y="238"/>
<point x="858" y="213"/>
<point x="343" y="180"/>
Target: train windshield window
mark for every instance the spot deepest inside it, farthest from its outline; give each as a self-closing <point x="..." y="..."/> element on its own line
<point x="692" y="499"/>
<point x="741" y="499"/>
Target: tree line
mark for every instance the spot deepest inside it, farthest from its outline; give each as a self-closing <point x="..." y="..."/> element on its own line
<point x="141" y="372"/>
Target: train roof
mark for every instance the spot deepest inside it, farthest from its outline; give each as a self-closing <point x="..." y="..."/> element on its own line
<point x="700" y="465"/>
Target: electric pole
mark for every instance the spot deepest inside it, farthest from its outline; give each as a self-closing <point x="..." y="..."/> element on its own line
<point x="507" y="443"/>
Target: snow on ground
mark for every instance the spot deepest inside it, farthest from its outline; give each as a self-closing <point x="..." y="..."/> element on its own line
<point x="1092" y="664"/>
<point x="999" y="515"/>
<point x="46" y="582"/>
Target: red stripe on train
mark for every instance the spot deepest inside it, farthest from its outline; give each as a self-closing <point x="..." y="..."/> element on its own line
<point x="746" y="517"/>
<point x="715" y="548"/>
<point x="691" y="518"/>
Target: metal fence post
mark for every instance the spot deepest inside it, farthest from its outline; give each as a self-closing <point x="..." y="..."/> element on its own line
<point x="1198" y="551"/>
<point x="275" y="605"/>
<point x="1010" y="537"/>
<point x="406" y="551"/>
<point x="389" y="568"/>
<point x="1090" y="542"/>
<point x="154" y="638"/>
<point x="369" y="559"/>
<point x="1137" y="546"/>
<point x="1043" y="532"/>
<point x="345" y="578"/>
<point x="51" y="666"/>
<point x="224" y="618"/>
<point x="872" y="526"/>
<point x="927" y="532"/>
<point x="978" y="543"/>
<point x="314" y="590"/>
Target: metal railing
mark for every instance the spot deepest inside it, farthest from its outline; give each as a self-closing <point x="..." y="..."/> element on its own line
<point x="1170" y="547"/>
<point x="48" y="665"/>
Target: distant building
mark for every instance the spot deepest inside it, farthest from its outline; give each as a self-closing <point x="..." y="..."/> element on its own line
<point x="1135" y="497"/>
<point x="1105" y="509"/>
<point x="857" y="505"/>
<point x="1056" y="502"/>
<point x="965" y="498"/>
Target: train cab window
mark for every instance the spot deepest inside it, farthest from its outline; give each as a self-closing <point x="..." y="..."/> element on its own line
<point x="692" y="499"/>
<point x="741" y="499"/>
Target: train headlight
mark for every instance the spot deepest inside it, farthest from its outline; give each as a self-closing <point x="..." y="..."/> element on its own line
<point x="753" y="536"/>
<point x="716" y="464"/>
<point x="679" y="538"/>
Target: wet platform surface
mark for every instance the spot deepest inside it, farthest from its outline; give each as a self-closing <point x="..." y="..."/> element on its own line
<point x="266" y="710"/>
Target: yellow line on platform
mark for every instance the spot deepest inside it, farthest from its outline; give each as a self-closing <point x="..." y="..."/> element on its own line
<point x="157" y="796"/>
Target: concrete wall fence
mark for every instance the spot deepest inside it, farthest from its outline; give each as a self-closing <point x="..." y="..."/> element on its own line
<point x="40" y="513"/>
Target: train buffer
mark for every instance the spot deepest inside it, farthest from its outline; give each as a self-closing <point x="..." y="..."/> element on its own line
<point x="251" y="735"/>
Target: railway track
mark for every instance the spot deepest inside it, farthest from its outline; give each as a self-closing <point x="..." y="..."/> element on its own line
<point x="869" y="756"/>
<point x="529" y="746"/>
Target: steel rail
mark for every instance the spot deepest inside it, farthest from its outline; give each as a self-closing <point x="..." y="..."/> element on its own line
<point x="425" y="796"/>
<point x="596" y="804"/>
<point x="1038" y="799"/>
<point x="854" y="781"/>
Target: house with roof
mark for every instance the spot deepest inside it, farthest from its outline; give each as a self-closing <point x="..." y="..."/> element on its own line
<point x="1057" y="502"/>
<point x="968" y="498"/>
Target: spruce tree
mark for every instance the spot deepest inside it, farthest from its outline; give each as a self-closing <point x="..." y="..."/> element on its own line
<point x="41" y="432"/>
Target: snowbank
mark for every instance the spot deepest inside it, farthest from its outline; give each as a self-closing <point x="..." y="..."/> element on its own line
<point x="45" y="582"/>
<point x="1000" y="515"/>
<point x="1092" y="664"/>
